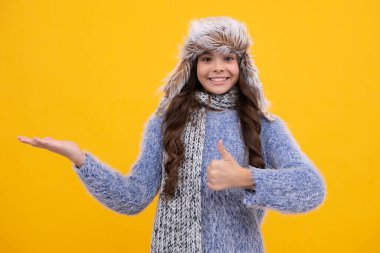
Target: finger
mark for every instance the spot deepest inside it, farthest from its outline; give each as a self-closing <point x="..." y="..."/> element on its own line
<point x="209" y="172"/>
<point x="225" y="155"/>
<point x="211" y="186"/>
<point x="26" y="140"/>
<point x="42" y="143"/>
<point x="36" y="142"/>
<point x="213" y="163"/>
<point x="23" y="139"/>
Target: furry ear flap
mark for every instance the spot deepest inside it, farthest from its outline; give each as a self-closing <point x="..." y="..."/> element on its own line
<point x="250" y="74"/>
<point x="174" y="83"/>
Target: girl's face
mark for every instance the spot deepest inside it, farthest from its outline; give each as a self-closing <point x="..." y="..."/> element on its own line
<point x="217" y="72"/>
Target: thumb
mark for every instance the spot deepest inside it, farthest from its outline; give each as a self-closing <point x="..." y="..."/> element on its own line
<point x="223" y="151"/>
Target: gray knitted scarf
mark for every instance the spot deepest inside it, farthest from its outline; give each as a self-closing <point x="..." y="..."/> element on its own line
<point x="177" y="225"/>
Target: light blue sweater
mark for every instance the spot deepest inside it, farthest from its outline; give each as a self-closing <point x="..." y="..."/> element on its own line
<point x="230" y="218"/>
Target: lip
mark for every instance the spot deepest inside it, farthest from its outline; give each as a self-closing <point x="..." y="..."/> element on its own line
<point x="220" y="82"/>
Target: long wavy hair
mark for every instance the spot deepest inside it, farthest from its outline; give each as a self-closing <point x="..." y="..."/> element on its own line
<point x="178" y="113"/>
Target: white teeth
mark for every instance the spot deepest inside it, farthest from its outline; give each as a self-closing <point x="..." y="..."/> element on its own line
<point x="218" y="79"/>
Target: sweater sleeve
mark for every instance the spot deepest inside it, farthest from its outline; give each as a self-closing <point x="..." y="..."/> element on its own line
<point x="293" y="185"/>
<point x="127" y="194"/>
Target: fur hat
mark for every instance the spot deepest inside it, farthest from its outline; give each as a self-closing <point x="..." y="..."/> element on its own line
<point x="225" y="35"/>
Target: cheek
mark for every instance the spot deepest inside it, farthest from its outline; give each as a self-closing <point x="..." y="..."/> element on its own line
<point x="235" y="74"/>
<point x="237" y="70"/>
<point x="234" y="69"/>
<point x="201" y="72"/>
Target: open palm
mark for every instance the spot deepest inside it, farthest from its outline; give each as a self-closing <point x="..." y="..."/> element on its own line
<point x="62" y="147"/>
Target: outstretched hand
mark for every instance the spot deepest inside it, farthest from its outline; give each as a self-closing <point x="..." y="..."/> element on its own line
<point x="65" y="148"/>
<point x="225" y="173"/>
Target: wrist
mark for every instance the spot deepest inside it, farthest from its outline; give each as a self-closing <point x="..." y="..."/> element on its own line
<point x="246" y="181"/>
<point x="78" y="160"/>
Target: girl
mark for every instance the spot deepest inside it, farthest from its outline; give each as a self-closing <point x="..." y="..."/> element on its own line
<point x="212" y="150"/>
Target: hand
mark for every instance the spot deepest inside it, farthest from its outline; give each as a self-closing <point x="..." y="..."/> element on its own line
<point x="225" y="173"/>
<point x="65" y="148"/>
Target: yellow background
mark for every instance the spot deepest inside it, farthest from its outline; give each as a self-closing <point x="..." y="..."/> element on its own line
<point x="88" y="71"/>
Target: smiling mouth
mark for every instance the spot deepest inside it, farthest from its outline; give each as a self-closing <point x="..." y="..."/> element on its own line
<point x="218" y="79"/>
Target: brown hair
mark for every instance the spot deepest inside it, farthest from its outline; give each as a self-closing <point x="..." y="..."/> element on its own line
<point x="178" y="113"/>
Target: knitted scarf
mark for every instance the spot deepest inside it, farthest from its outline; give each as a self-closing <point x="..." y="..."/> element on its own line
<point x="177" y="225"/>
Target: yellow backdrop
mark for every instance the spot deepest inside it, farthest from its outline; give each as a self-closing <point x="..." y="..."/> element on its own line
<point x="88" y="71"/>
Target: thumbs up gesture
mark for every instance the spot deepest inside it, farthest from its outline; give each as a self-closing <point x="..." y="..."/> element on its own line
<point x="227" y="173"/>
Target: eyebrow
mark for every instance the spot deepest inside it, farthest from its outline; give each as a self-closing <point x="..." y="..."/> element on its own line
<point x="205" y="52"/>
<point x="209" y="53"/>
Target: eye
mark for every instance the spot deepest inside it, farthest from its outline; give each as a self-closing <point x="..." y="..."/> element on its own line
<point x="206" y="59"/>
<point x="230" y="58"/>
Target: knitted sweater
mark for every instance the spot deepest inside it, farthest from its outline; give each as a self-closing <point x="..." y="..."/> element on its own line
<point x="231" y="218"/>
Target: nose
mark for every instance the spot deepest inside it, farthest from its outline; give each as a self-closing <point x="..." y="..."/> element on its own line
<point x="218" y="66"/>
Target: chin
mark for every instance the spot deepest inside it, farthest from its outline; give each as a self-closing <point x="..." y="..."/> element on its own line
<point x="218" y="90"/>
